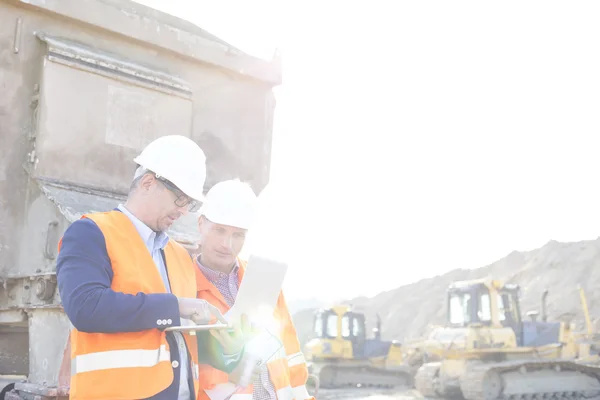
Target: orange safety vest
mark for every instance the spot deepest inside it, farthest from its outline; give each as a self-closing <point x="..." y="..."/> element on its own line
<point x="130" y="365"/>
<point x="287" y="370"/>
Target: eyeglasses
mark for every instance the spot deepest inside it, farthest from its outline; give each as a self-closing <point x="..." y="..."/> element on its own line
<point x="182" y="199"/>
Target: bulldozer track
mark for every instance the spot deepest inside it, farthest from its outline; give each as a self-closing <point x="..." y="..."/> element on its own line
<point x="337" y="376"/>
<point x="426" y="378"/>
<point x="490" y="381"/>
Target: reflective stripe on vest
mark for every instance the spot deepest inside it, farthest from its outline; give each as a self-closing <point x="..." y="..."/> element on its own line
<point x="285" y="393"/>
<point x="296" y="359"/>
<point x="300" y="393"/>
<point x="119" y="359"/>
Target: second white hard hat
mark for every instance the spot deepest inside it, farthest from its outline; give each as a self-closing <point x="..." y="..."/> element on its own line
<point x="179" y="160"/>
<point x="232" y="203"/>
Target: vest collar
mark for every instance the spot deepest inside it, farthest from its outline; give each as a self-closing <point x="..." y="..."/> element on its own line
<point x="204" y="285"/>
<point x="153" y="240"/>
<point x="130" y="231"/>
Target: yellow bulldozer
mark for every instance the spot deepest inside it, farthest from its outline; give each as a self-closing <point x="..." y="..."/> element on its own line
<point x="487" y="352"/>
<point x="341" y="355"/>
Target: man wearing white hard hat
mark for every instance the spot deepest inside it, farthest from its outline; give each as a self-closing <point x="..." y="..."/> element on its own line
<point x="228" y="212"/>
<point x="122" y="281"/>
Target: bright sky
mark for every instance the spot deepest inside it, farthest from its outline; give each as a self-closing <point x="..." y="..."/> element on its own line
<point x="416" y="137"/>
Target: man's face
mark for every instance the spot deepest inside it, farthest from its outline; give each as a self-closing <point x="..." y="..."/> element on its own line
<point x="221" y="244"/>
<point x="161" y="200"/>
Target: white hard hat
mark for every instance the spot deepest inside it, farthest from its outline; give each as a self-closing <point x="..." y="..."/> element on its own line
<point x="231" y="203"/>
<point x="179" y="160"/>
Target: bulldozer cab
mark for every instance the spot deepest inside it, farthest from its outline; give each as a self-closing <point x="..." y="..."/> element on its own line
<point x="492" y="303"/>
<point x="341" y="324"/>
<point x="485" y="303"/>
<point x="344" y="324"/>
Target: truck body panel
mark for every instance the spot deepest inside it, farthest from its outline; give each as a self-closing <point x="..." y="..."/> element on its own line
<point x="85" y="85"/>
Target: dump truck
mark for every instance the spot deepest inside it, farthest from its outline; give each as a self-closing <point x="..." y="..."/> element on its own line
<point x="488" y="352"/>
<point x="340" y="354"/>
<point x="84" y="86"/>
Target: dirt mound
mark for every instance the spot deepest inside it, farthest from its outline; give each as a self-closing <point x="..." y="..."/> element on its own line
<point x="407" y="311"/>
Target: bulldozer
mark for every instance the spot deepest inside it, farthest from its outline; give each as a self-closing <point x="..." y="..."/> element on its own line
<point x="487" y="351"/>
<point x="340" y="355"/>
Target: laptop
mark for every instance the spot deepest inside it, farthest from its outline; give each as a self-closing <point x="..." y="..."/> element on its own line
<point x="259" y="289"/>
<point x="257" y="295"/>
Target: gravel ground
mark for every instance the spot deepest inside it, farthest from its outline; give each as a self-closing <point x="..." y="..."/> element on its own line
<point x="367" y="394"/>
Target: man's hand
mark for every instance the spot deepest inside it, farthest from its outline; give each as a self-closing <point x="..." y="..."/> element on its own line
<point x="247" y="370"/>
<point x="233" y="342"/>
<point x="200" y="311"/>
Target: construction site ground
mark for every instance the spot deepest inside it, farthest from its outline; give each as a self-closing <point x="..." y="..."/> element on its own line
<point x="367" y="394"/>
<point x="374" y="394"/>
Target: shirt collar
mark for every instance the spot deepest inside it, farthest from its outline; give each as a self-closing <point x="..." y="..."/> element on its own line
<point x="153" y="240"/>
<point x="213" y="275"/>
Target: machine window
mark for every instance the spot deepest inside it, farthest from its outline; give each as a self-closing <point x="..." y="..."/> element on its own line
<point x="331" y="326"/>
<point x="345" y="327"/>
<point x="502" y="308"/>
<point x="318" y="328"/>
<point x="484" y="311"/>
<point x="356" y="328"/>
<point x="506" y="306"/>
<point x="459" y="308"/>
